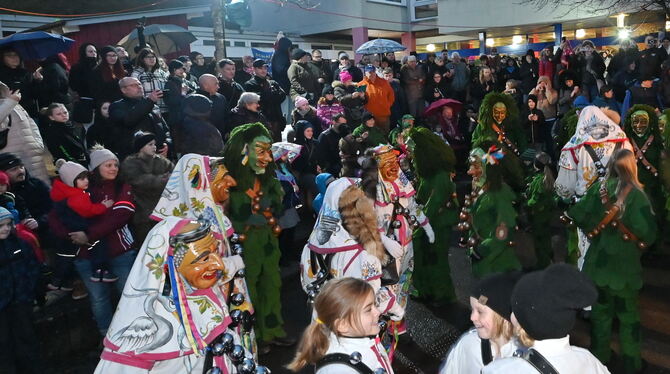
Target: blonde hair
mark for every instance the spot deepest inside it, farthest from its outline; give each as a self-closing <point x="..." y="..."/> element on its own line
<point x="501" y="327"/>
<point x="481" y="74"/>
<point x="523" y="337"/>
<point x="340" y="300"/>
<point x="359" y="219"/>
<point x="625" y="167"/>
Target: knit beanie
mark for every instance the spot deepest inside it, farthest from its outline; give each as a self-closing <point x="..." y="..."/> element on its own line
<point x="174" y="65"/>
<point x="546" y="302"/>
<point x="345" y="76"/>
<point x="298" y="53"/>
<point x="495" y="292"/>
<point x="534" y="98"/>
<point x="141" y="139"/>
<point x="8" y="161"/>
<point x="104" y="50"/>
<point x="299" y="100"/>
<point x="4" y="214"/>
<point x="581" y="102"/>
<point x="98" y="156"/>
<point x="327" y="89"/>
<point x="69" y="171"/>
<point x="4" y="178"/>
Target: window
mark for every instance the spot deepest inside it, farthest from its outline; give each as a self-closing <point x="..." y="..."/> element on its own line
<point x="322" y="47"/>
<point x="239" y="44"/>
<point x="390" y="2"/>
<point x="262" y="45"/>
<point x="210" y="42"/>
<point x="423" y="9"/>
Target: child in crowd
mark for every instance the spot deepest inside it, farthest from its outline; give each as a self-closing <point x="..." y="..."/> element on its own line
<point x="22" y="218"/>
<point x="147" y="173"/>
<point x="62" y="138"/>
<point x="342" y="337"/>
<point x="284" y="154"/>
<point x="568" y="93"/>
<point x="533" y="119"/>
<point x="327" y="107"/>
<point x="74" y="207"/>
<point x="493" y="335"/>
<point x="369" y="134"/>
<point x="19" y="273"/>
<point x="306" y="112"/>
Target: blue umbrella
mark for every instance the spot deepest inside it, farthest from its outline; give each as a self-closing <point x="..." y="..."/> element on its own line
<point x="379" y="46"/>
<point x="37" y="44"/>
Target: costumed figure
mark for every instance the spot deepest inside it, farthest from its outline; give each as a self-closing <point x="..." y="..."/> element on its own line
<point x="254" y="204"/>
<point x="172" y="316"/>
<point x="345" y="242"/>
<point x="585" y="158"/>
<point x="398" y="214"/>
<point x="540" y="205"/>
<point x="399" y="138"/>
<point x="322" y="182"/>
<point x="476" y="172"/>
<point x="434" y="165"/>
<point x="641" y="127"/>
<point x="491" y="221"/>
<point x="199" y="187"/>
<point x="665" y="163"/>
<point x="619" y="221"/>
<point x="499" y="123"/>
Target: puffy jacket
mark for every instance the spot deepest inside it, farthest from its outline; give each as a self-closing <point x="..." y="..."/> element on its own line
<point x="195" y="133"/>
<point x="353" y="107"/>
<point x="326" y="112"/>
<point x="303" y="82"/>
<point x="73" y="206"/>
<point x="24" y="139"/>
<point x="65" y="141"/>
<point x="19" y="272"/>
<point x="129" y="116"/>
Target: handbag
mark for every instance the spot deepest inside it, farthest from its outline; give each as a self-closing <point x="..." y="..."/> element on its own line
<point x="4" y="134"/>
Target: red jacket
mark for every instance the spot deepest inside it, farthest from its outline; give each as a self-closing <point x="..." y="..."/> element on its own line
<point x="77" y="199"/>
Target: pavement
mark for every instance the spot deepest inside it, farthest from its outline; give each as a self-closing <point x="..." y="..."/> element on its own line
<point x="71" y="344"/>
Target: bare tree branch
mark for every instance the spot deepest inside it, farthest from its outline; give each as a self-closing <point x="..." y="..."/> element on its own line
<point x="609" y="6"/>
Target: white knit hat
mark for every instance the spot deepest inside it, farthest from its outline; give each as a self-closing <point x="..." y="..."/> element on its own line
<point x="69" y="171"/>
<point x="98" y="156"/>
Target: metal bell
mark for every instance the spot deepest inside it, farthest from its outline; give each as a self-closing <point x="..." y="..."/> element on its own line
<point x="238" y="249"/>
<point x="406" y="211"/>
<point x="237" y="355"/>
<point x="260" y="193"/>
<point x="217" y="349"/>
<point x="472" y="242"/>
<point x="262" y="370"/>
<point x="237" y="299"/>
<point x="256" y="207"/>
<point x="234" y="238"/>
<point x="459" y="227"/>
<point x="236" y="316"/>
<point x="319" y="275"/>
<point x="311" y="295"/>
<point x="248" y="366"/>
<point x="242" y="237"/>
<point x="467" y="202"/>
<point x="413" y="220"/>
<point x="511" y="243"/>
<point x="590" y="235"/>
<point x="241" y="273"/>
<point x="380" y="371"/>
<point x="642" y="245"/>
<point x="466" y="226"/>
<point x="228" y="342"/>
<point x="397" y="210"/>
<point x="214" y="370"/>
<point x="355" y="358"/>
<point x="648" y="167"/>
<point x="615" y="224"/>
<point x="383" y="325"/>
<point x="463" y="216"/>
<point x="625" y="237"/>
<point x="396" y="224"/>
<point x="463" y="241"/>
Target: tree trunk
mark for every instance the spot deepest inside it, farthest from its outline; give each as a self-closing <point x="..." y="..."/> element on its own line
<point x="218" y="14"/>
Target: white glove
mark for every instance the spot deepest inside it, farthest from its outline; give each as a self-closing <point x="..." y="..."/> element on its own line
<point x="430" y="233"/>
<point x="392" y="246"/>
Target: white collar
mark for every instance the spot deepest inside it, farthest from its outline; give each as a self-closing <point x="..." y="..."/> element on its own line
<point x="552" y="347"/>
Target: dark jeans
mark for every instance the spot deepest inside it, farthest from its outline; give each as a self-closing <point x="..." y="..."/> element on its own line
<point x="19" y="346"/>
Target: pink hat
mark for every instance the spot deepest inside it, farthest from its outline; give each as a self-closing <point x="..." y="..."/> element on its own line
<point x="299" y="100"/>
<point x="345" y="76"/>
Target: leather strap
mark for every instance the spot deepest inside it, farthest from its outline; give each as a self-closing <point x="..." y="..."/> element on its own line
<point x="503" y="138"/>
<point x="539" y="362"/>
<point x="342" y="359"/>
<point x="639" y="154"/>
<point x="487" y="356"/>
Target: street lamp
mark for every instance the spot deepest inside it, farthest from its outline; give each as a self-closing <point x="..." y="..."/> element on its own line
<point x="490" y="42"/>
<point x="580" y="33"/>
<point x="430" y="47"/>
<point x="517" y="39"/>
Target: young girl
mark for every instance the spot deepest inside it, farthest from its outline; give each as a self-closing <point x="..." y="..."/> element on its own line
<point x="343" y="331"/>
<point x="306" y="112"/>
<point x="61" y="137"/>
<point x="327" y="107"/>
<point x="533" y="120"/>
<point x="493" y="335"/>
<point x="73" y="208"/>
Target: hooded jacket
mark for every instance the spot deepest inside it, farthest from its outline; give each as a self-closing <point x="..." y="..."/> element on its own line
<point x="73" y="206"/>
<point x="195" y="133"/>
<point x="81" y="73"/>
<point x="353" y="106"/>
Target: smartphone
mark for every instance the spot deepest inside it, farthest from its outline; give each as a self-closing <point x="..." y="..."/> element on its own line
<point x="165" y="90"/>
<point x="362" y="88"/>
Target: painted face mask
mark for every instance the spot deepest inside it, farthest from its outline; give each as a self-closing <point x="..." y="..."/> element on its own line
<point x="388" y="164"/>
<point x="201" y="266"/>
<point x="221" y="184"/>
<point x="640" y="121"/>
<point x="259" y="154"/>
<point x="662" y="120"/>
<point x="499" y="112"/>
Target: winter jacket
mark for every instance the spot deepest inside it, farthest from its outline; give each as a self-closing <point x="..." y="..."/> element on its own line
<point x="241" y="116"/>
<point x="55" y="85"/>
<point x="431" y="88"/>
<point x="371" y="136"/>
<point x="649" y="63"/>
<point x="65" y="141"/>
<point x="101" y="132"/>
<point x="280" y="62"/>
<point x="547" y="68"/>
<point x="310" y="117"/>
<point x="195" y="133"/>
<point x="547" y="99"/>
<point x="272" y="96"/>
<point x="602" y="102"/>
<point x="19" y="272"/>
<point x="220" y="110"/>
<point x="16" y="205"/>
<point x="597" y="66"/>
<point x="152" y="81"/>
<point x="410" y="78"/>
<point x="328" y="152"/>
<point x="326" y="111"/>
<point x="24" y="138"/>
<point x="356" y="73"/>
<point x="102" y="90"/>
<point x="147" y="176"/>
<point x="231" y="90"/>
<point x="303" y="82"/>
<point x="174" y="99"/>
<point x="306" y="162"/>
<point x="353" y="107"/>
<point x="459" y="81"/>
<point x="81" y="76"/>
<point x="36" y="195"/>
<point x="22" y="79"/>
<point x="73" y="206"/>
<point x="130" y="115"/>
<point x="529" y="72"/>
<point x="112" y="226"/>
<point x="380" y="96"/>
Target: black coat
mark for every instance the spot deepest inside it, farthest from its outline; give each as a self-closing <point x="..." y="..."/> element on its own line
<point x="220" y="110"/>
<point x="36" y="195"/>
<point x="356" y="73"/>
<point x="241" y="116"/>
<point x="174" y="99"/>
<point x="130" y="115"/>
<point x="65" y="141"/>
<point x="104" y="91"/>
<point x="81" y="76"/>
<point x="22" y="79"/>
<point x="231" y="90"/>
<point x="529" y="72"/>
<point x="272" y="96"/>
<point x="55" y="86"/>
<point x="197" y="135"/>
<point x="328" y="152"/>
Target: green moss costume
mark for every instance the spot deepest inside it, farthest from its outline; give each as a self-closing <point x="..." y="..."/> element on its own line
<point x="374" y="136"/>
<point x="262" y="253"/>
<point x="509" y="135"/>
<point x="665" y="163"/>
<point x="541" y="208"/>
<point x="648" y="151"/>
<point x="567" y="128"/>
<point x="493" y="220"/>
<point x="614" y="265"/>
<point x="434" y="164"/>
<point x="405" y="123"/>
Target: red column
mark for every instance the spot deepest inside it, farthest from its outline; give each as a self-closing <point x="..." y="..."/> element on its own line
<point x="359" y="36"/>
<point x="408" y="39"/>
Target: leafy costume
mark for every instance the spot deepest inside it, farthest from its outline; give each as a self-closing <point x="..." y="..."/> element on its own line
<point x="508" y="135"/>
<point x="541" y="206"/>
<point x="493" y="220"/>
<point x="437" y="192"/>
<point x="613" y="263"/>
<point x="371" y="136"/>
<point x="665" y="164"/>
<point x="648" y="150"/>
<point x="254" y="202"/>
<point x="405" y="124"/>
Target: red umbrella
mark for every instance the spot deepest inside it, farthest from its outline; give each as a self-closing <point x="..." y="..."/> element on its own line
<point x="436" y="107"/>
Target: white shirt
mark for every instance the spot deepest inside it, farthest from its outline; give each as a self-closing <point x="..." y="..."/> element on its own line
<point x="372" y="354"/>
<point x="562" y="356"/>
<point x="465" y="357"/>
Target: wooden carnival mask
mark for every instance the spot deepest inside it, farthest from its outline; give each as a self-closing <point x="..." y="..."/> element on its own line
<point x="196" y="255"/>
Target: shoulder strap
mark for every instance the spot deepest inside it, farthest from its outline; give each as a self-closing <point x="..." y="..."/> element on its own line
<point x="602" y="171"/>
<point x="539" y="362"/>
<point x="487" y="356"/>
<point x="342" y="359"/>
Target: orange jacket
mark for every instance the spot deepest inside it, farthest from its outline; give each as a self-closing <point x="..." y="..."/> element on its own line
<point x="380" y="96"/>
